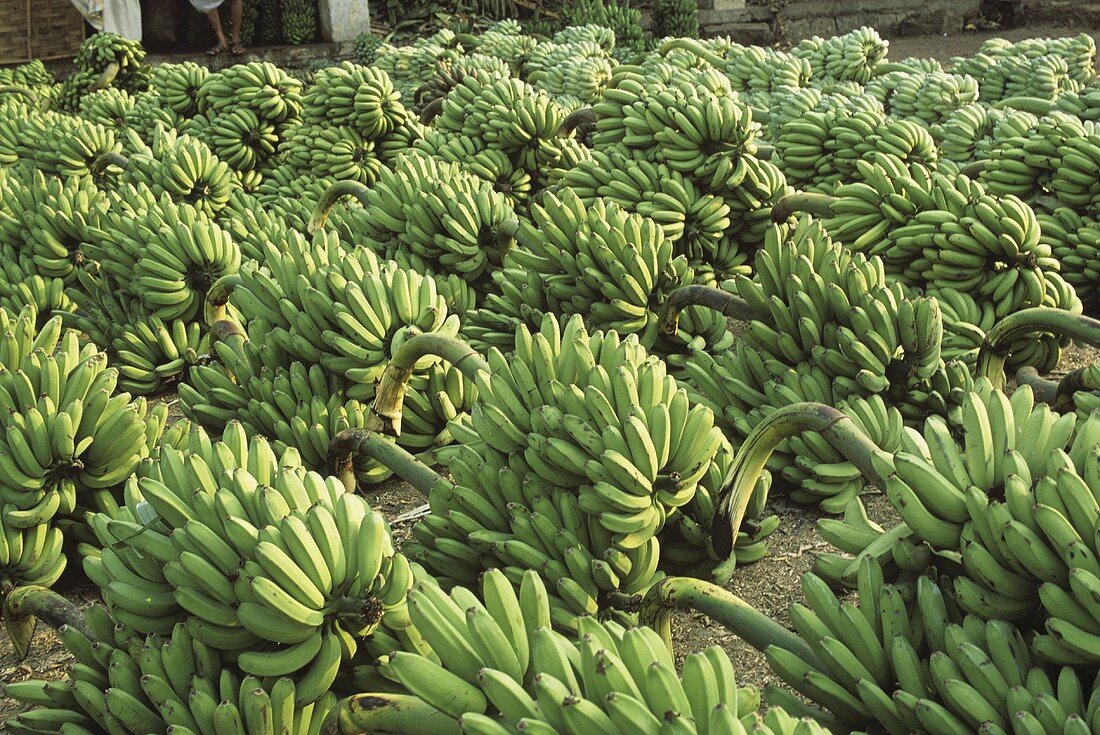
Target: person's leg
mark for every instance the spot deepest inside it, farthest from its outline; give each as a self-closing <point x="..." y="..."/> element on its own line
<point x="236" y="12"/>
<point x="216" y="22"/>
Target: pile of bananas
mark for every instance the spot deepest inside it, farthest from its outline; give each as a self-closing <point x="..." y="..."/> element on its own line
<point x="622" y="20"/>
<point x="108" y="107"/>
<point x="182" y="167"/>
<point x="926" y="97"/>
<point x="299" y="20"/>
<point x="965" y="133"/>
<point x="104" y="59"/>
<point x="854" y="56"/>
<point x="278" y="568"/>
<point x="503" y="669"/>
<point x="676" y="18"/>
<point x="125" y="684"/>
<point x="366" y="47"/>
<point x="574" y="483"/>
<point x="1075" y="241"/>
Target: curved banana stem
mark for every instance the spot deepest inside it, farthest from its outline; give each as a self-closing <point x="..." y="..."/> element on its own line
<point x="23" y="606"/>
<point x="971" y="170"/>
<point x="104" y="80"/>
<point x="721" y="301"/>
<point x="1034" y="105"/>
<point x="693" y="45"/>
<point x="765" y="152"/>
<point x="227" y="331"/>
<point x="388" y="713"/>
<point x="217" y="296"/>
<point x="819" y="205"/>
<point x="1043" y="389"/>
<point x="385" y="412"/>
<point x="995" y="349"/>
<point x="328" y="200"/>
<point x="1059" y="393"/>
<point x="431" y="111"/>
<point x="350" y="443"/>
<point x="887" y="67"/>
<point x="580" y="117"/>
<point x="689" y="593"/>
<point x="17" y="89"/>
<point x="834" y="425"/>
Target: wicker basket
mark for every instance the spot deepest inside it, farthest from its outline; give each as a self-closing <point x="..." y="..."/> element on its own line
<point x="39" y="29"/>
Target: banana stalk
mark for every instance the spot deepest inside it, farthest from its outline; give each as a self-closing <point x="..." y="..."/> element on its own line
<point x="971" y="170"/>
<point x="751" y="625"/>
<point x="25" y="605"/>
<point x="834" y="425"/>
<point x="431" y="111"/>
<point x="350" y="443"/>
<point x="328" y="200"/>
<point x="385" y="414"/>
<point x="721" y="301"/>
<point x="693" y="45"/>
<point x="217" y="296"/>
<point x="819" y="205"/>
<point x="106" y="78"/>
<point x="17" y="89"/>
<point x="583" y="118"/>
<point x="388" y="713"/>
<point x="995" y="349"/>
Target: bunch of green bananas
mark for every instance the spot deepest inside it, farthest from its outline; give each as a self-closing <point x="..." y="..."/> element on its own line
<point x="361" y="97"/>
<point x="449" y="72"/>
<point x="928" y="97"/>
<point x="184" y="168"/>
<point x="179" y="85"/>
<point x="622" y="20"/>
<point x="410" y="66"/>
<point x="901" y="659"/>
<point x="1075" y="241"/>
<point x="279" y="568"/>
<point x="613" y="267"/>
<point x="675" y="18"/>
<point x="435" y="218"/>
<point x="299" y="20"/>
<point x="576" y="484"/>
<point x="48" y="222"/>
<point x="107" y="107"/>
<point x="494" y="167"/>
<point x="504" y="40"/>
<point x="149" y="352"/>
<point x="149" y="112"/>
<point x="341" y="153"/>
<point x="30" y="555"/>
<point x="965" y="133"/>
<point x="32" y="74"/>
<point x="127" y="685"/>
<point x="853" y="56"/>
<point x="245" y="110"/>
<point x="322" y="303"/>
<point x="508" y="115"/>
<point x="68" y="146"/>
<point x="503" y="669"/>
<point x="104" y="59"/>
<point x="21" y="285"/>
<point x="366" y="47"/>
<point x="68" y="439"/>
<point x="1084" y="103"/>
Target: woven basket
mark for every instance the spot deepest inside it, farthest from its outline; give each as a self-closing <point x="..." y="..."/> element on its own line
<point x="39" y="29"/>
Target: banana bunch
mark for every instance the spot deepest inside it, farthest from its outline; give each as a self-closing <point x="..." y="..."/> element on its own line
<point x="449" y="72"/>
<point x="148" y="351"/>
<point x="675" y="18"/>
<point x="49" y="221"/>
<point x="965" y="133"/>
<point x="366" y="47"/>
<point x="624" y="22"/>
<point x="245" y="110"/>
<point x="68" y="440"/>
<point x="69" y="146"/>
<point x="1084" y="103"/>
<point x="1078" y="52"/>
<point x="1075" y="241"/>
<point x="148" y="113"/>
<point x="901" y="660"/>
<point x="508" y="115"/>
<point x="29" y="555"/>
<point x="31" y="74"/>
<point x="20" y="286"/>
<point x="504" y="40"/>
<point x="410" y="66"/>
<point x="530" y="461"/>
<point x="1075" y="180"/>
<point x="104" y="59"/>
<point x="184" y="168"/>
<point x="172" y="683"/>
<point x="108" y="107"/>
<point x="299" y="20"/>
<point x="501" y="668"/>
<point x="1025" y="161"/>
<point x="165" y="254"/>
<point x="179" y="84"/>
<point x="322" y="303"/>
<point x="359" y="97"/>
<point x="576" y="65"/>
<point x="435" y="218"/>
<point x="853" y="56"/>
<point x="928" y="97"/>
<point x="305" y="407"/>
<point x="339" y="153"/>
<point x="279" y="568"/>
<point x="494" y="167"/>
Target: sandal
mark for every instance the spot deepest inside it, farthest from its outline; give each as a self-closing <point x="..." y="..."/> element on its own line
<point x="216" y="50"/>
<point x="236" y="49"/>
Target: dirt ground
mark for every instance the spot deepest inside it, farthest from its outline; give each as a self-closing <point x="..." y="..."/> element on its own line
<point x="771" y="584"/>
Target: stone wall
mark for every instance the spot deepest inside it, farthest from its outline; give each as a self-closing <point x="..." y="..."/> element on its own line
<point x="802" y="18"/>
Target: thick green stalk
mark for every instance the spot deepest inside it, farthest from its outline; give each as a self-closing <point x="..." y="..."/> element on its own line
<point x="431" y="111"/>
<point x="819" y="205"/>
<point x="388" y="713"/>
<point x="721" y="301"/>
<point x="971" y="170"/>
<point x="834" y="425"/>
<point x="695" y="47"/>
<point x="350" y="443"/>
<point x="689" y="593"/>
<point x="328" y="200"/>
<point x="582" y="117"/>
<point x="385" y="413"/>
<point x="998" y="340"/>
<point x="23" y="606"/>
<point x="104" y="80"/>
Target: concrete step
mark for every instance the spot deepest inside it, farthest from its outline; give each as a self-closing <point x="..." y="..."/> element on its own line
<point x="721" y="4"/>
<point x="751" y="25"/>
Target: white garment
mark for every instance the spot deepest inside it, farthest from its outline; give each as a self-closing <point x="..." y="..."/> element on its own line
<point x="122" y="17"/>
<point x="205" y="6"/>
<point x="92" y="10"/>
